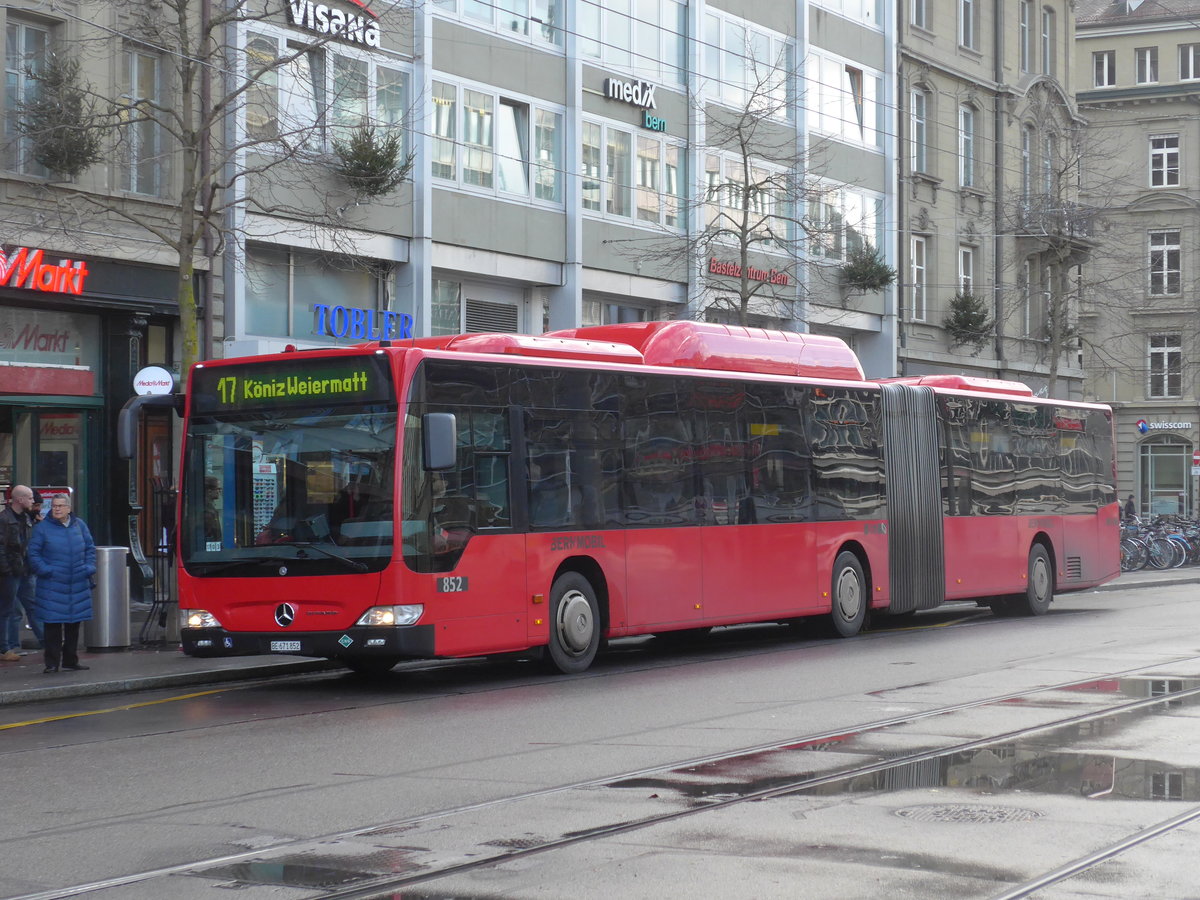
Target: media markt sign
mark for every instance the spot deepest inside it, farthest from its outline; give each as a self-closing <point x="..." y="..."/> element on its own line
<point x="153" y="380"/>
<point x="325" y="19"/>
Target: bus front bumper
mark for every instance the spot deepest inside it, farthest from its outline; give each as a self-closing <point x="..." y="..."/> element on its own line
<point x="410" y="641"/>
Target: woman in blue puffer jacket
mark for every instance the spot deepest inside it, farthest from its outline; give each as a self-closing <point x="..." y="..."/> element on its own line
<point x="63" y="556"/>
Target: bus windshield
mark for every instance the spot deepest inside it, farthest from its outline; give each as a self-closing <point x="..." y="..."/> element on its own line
<point x="314" y="485"/>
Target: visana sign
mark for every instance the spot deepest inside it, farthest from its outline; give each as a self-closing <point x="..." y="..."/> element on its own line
<point x="324" y="19"/>
<point x="24" y="268"/>
<point x="639" y="93"/>
<point x="361" y="324"/>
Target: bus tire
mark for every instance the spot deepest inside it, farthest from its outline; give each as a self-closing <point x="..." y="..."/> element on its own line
<point x="848" y="596"/>
<point x="574" y="624"/>
<point x="369" y="665"/>
<point x="1039" y="587"/>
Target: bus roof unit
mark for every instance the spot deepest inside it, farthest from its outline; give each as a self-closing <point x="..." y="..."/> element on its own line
<point x="729" y="348"/>
<point x="544" y="345"/>
<point x="965" y="383"/>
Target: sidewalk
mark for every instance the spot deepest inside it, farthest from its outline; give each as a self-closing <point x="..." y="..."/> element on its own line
<point x="164" y="666"/>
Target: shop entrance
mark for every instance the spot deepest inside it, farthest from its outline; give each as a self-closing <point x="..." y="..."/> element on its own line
<point x="45" y="447"/>
<point x="1164" y="465"/>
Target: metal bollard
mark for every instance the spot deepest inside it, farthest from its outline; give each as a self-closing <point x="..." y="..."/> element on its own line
<point x="109" y="626"/>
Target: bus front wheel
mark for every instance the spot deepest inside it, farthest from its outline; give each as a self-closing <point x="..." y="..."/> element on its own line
<point x="849" y="596"/>
<point x="574" y="623"/>
<point x="369" y="665"/>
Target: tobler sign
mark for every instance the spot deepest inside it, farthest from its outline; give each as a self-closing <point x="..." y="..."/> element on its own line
<point x="325" y="19"/>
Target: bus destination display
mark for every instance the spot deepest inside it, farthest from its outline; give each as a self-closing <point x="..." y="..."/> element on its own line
<point x="294" y="382"/>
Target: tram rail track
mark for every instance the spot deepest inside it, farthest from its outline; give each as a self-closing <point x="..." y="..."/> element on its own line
<point x="454" y="863"/>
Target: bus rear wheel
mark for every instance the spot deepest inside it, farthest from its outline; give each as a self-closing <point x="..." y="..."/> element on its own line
<point x="1039" y="588"/>
<point x="574" y="623"/>
<point x="848" y="594"/>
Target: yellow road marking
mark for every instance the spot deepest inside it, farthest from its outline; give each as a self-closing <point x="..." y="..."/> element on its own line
<point x="99" y="712"/>
<point x="937" y="625"/>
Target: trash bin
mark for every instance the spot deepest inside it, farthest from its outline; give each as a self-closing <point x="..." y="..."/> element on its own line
<point x="109" y="625"/>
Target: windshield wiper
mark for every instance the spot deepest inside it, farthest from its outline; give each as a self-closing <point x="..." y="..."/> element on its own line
<point x="248" y="561"/>
<point x="352" y="564"/>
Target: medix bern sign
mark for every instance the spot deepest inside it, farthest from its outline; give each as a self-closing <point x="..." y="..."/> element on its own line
<point x="325" y="19"/>
<point x="25" y="268"/>
<point x="639" y="93"/>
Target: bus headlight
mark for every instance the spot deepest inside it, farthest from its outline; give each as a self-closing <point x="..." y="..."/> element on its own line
<point x="198" y="618"/>
<point x="392" y="615"/>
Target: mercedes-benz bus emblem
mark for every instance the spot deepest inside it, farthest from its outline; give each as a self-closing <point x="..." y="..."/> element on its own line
<point x="285" y="615"/>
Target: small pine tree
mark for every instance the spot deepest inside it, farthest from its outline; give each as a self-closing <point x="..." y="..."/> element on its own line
<point x="371" y="161"/>
<point x="59" y="120"/>
<point x="865" y="271"/>
<point x="967" y="322"/>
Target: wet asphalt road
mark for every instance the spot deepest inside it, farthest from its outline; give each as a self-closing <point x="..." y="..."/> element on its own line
<point x="964" y="756"/>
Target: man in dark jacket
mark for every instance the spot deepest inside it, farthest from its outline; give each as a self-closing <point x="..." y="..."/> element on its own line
<point x="16" y="580"/>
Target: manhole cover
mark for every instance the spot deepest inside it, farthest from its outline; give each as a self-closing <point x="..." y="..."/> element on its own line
<point x="967" y="812"/>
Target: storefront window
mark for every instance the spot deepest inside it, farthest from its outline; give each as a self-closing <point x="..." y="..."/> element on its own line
<point x="1164" y="465"/>
<point x="283" y="284"/>
<point x="447" y="308"/>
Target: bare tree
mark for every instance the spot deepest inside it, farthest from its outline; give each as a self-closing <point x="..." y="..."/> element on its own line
<point x="1053" y="234"/>
<point x="764" y="221"/>
<point x="219" y="126"/>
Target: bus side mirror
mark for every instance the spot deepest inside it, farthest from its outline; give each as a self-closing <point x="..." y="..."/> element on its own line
<point x="441" y="440"/>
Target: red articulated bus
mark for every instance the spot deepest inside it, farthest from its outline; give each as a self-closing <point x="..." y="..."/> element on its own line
<point x="493" y="493"/>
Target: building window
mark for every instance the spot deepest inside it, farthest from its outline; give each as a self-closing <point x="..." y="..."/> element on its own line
<point x="307" y="97"/>
<point x="538" y="20"/>
<point x="919" y="123"/>
<point x="1164" y="263"/>
<point x="1104" y="68"/>
<point x="25" y="53"/>
<point x="966" y="146"/>
<point x="142" y="138"/>
<point x="445" y="115"/>
<point x="1166" y="786"/>
<point x="916" y="277"/>
<point x="652" y="196"/>
<point x="845" y="219"/>
<point x="742" y="61"/>
<point x="658" y="198"/>
<point x="1049" y="163"/>
<point x="920" y="13"/>
<point x="867" y="11"/>
<point x="763" y="205"/>
<point x="618" y="165"/>
<point x="844" y="100"/>
<point x="966" y="269"/>
<point x="1025" y="35"/>
<point x="1026" y="164"/>
<point x="1164" y="160"/>
<point x="505" y="145"/>
<point x="1189" y="62"/>
<point x="1048" y="36"/>
<point x="283" y="283"/>
<point x="1029" y="317"/>
<point x="446" y="314"/>
<point x="1146" y="59"/>
<point x="600" y="312"/>
<point x="645" y="38"/>
<point x="1165" y="365"/>
<point x="966" y="23"/>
